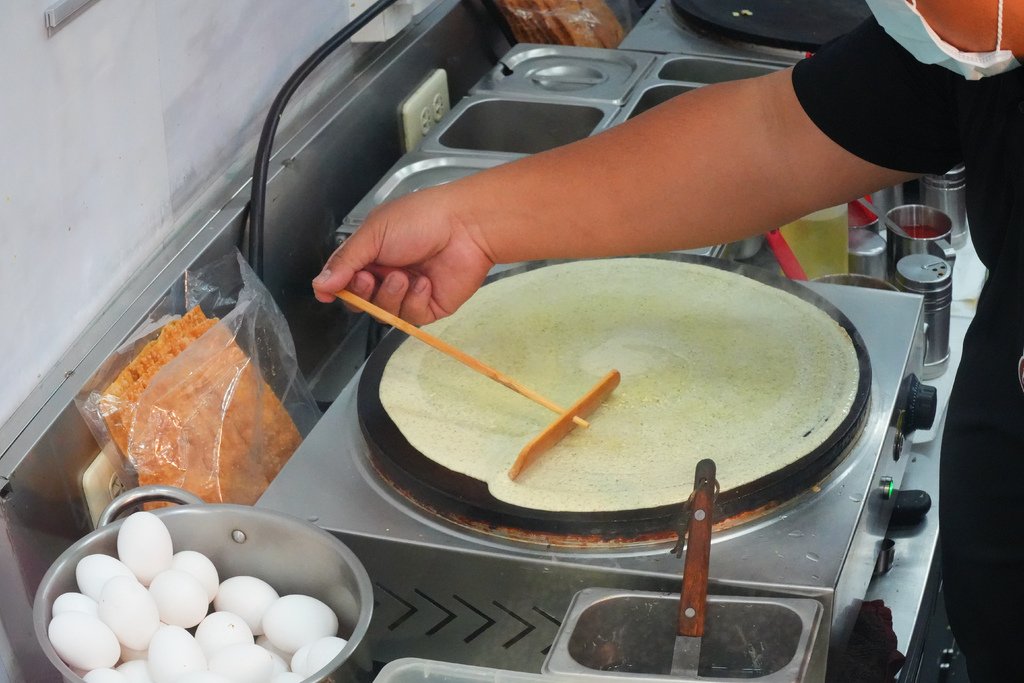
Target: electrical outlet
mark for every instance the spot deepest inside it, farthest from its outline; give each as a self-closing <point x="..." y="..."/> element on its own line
<point x="423" y="108"/>
<point x="100" y="485"/>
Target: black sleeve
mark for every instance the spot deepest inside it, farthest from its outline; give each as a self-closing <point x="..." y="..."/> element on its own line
<point x="871" y="97"/>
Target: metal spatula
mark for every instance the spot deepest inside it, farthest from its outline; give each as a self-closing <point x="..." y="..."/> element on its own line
<point x="693" y="598"/>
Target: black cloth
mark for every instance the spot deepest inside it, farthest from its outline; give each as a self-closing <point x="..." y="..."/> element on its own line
<point x="876" y="101"/>
<point x="872" y="655"/>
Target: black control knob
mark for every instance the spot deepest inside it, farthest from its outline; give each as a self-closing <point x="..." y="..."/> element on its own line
<point x="910" y="508"/>
<point x="922" y="404"/>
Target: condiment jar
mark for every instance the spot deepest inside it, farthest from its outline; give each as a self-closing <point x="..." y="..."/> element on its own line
<point x="947" y="193"/>
<point x="931" y="277"/>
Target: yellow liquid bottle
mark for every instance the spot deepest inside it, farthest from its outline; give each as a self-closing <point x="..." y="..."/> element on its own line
<point x="819" y="241"/>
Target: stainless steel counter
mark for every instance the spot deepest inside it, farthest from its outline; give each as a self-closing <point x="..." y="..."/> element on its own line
<point x="909" y="588"/>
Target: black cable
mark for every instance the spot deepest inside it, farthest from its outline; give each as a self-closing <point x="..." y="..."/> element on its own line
<point x="261" y="165"/>
<point x="499" y="18"/>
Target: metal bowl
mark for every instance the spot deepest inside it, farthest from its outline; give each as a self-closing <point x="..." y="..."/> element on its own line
<point x="290" y="554"/>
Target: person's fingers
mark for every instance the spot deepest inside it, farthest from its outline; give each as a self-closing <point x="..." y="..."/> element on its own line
<point x="391" y="291"/>
<point x="362" y="285"/>
<point x="416" y="306"/>
<point x="327" y="283"/>
<point x="351" y="257"/>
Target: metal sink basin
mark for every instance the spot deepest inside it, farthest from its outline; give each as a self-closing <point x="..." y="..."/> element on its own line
<point x="631" y="634"/>
<point x="515" y="126"/>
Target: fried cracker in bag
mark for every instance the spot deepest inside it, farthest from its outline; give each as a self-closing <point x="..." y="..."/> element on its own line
<point x="213" y="405"/>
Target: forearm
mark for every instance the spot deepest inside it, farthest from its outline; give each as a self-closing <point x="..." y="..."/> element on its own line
<point x="712" y="166"/>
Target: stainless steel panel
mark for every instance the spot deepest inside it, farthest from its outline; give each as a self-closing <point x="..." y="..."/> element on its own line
<point x="572" y="74"/>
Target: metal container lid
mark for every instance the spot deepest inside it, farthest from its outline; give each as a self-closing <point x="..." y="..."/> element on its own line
<point x="925" y="274"/>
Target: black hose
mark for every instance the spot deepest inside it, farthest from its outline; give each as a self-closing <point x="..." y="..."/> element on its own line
<point x="261" y="165"/>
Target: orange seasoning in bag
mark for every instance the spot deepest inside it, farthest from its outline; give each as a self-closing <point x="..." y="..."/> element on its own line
<point x="192" y="410"/>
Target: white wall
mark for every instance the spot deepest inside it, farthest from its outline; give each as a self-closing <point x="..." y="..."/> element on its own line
<point x="108" y="129"/>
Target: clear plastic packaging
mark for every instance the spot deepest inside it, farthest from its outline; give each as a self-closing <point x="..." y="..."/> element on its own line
<point x="586" y="23"/>
<point x="211" y="401"/>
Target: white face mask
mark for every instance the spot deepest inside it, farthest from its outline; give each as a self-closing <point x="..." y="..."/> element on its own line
<point x="907" y="27"/>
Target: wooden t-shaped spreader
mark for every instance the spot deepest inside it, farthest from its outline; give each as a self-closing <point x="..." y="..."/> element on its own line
<point x="568" y="419"/>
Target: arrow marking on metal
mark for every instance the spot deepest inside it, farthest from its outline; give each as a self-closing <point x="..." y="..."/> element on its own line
<point x="522" y="634"/>
<point x="553" y="620"/>
<point x="444" y="622"/>
<point x="400" y="620"/>
<point x="488" y="622"/>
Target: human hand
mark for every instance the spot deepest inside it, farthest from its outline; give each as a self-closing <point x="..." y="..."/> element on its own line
<point x="412" y="257"/>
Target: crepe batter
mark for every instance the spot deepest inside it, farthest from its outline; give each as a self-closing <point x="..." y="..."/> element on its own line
<point x="713" y="364"/>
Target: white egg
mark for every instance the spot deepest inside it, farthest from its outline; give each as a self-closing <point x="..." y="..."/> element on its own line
<point x="105" y="676"/>
<point x="294" y="620"/>
<point x="287" y="677"/>
<point x="199" y="566"/>
<point x="73" y="602"/>
<point x="320" y="653"/>
<point x="246" y="596"/>
<point x="130" y="611"/>
<point x="136" y="671"/>
<point x="130" y="655"/>
<point x="83" y="641"/>
<point x="280" y="665"/>
<point x="92" y="571"/>
<point x="265" y="643"/>
<point x="203" y="677"/>
<point x="220" y="629"/>
<point x="298" y="661"/>
<point x="173" y="652"/>
<point x="180" y="598"/>
<point x="243" y="663"/>
<point x="144" y="545"/>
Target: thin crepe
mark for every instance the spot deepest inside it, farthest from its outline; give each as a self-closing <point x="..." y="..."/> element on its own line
<point x="713" y="364"/>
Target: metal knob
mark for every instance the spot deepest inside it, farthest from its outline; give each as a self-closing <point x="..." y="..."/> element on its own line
<point x="922" y="405"/>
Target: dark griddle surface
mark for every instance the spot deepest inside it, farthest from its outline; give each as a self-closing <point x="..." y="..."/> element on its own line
<point x="803" y="25"/>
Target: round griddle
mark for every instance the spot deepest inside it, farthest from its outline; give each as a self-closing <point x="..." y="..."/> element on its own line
<point x="467" y="501"/>
<point x="803" y="25"/>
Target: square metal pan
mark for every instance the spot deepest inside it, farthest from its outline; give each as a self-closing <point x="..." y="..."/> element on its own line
<point x="512" y="127"/>
<point x="416" y="171"/>
<point x="572" y="74"/>
<point x="631" y="632"/>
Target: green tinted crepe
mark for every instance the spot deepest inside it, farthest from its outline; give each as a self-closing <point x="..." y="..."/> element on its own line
<point x="713" y="364"/>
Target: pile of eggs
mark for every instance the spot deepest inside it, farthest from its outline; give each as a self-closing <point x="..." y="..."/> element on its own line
<point x="145" y="617"/>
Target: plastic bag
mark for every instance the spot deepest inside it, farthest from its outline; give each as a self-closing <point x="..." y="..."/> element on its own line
<point x="586" y="23"/>
<point x="211" y="401"/>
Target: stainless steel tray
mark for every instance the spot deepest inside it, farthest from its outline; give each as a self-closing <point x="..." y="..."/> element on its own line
<point x="416" y="171"/>
<point x="572" y="74"/>
<point x="513" y="127"/>
<point x="630" y="634"/>
<point x="672" y="75"/>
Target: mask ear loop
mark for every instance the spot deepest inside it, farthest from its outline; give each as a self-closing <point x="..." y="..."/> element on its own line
<point x="999" y="27"/>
